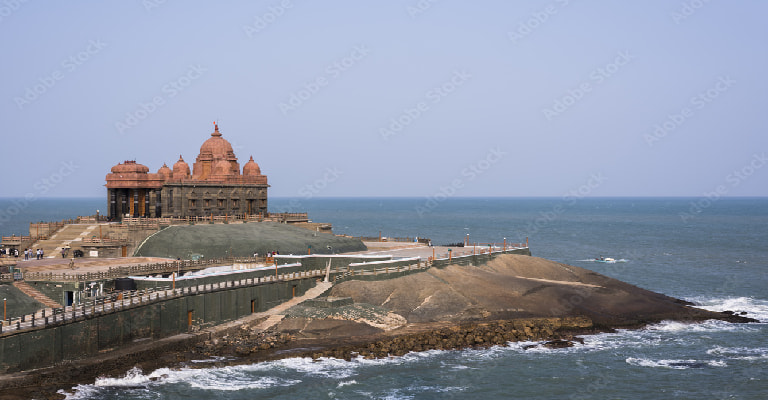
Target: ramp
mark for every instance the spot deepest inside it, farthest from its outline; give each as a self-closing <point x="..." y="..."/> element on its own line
<point x="68" y="235"/>
<point x="35" y="294"/>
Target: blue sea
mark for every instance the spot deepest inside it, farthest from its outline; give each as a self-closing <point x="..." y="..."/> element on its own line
<point x="713" y="252"/>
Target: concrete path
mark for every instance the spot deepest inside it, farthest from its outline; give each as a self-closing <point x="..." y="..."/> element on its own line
<point x="274" y="315"/>
<point x="63" y="238"/>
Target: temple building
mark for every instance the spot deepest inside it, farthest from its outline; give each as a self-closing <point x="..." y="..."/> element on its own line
<point x="214" y="187"/>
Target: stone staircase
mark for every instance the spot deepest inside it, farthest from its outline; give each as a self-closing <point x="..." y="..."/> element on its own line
<point x="35" y="294"/>
<point x="68" y="235"/>
<point x="274" y="315"/>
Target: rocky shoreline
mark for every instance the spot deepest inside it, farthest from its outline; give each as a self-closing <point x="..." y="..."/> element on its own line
<point x="247" y="345"/>
<point x="512" y="299"/>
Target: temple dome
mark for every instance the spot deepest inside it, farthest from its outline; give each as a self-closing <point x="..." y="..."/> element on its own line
<point x="130" y="167"/>
<point x="251" y="168"/>
<point x="165" y="172"/>
<point x="180" y="169"/>
<point x="216" y="147"/>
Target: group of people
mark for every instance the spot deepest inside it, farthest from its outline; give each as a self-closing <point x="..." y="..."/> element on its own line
<point x="28" y="253"/>
<point x="269" y="253"/>
<point x="9" y="252"/>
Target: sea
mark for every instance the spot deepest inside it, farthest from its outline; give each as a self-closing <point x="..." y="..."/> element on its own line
<point x="710" y="251"/>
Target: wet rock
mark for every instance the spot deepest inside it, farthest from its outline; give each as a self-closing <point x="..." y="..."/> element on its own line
<point x="558" y="344"/>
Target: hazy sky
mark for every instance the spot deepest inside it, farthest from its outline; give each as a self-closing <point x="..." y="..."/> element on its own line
<point x="392" y="98"/>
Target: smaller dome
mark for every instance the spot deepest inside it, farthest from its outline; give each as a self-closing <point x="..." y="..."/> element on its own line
<point x="180" y="169"/>
<point x="222" y="167"/>
<point x="165" y="172"/>
<point x="129" y="167"/>
<point x="251" y="168"/>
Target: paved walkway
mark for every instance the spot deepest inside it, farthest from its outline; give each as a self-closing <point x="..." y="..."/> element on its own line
<point x="275" y="314"/>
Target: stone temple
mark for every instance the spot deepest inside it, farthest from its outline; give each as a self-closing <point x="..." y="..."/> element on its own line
<point x="214" y="187"/>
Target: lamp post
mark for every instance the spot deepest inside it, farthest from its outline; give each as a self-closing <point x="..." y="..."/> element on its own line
<point x="5" y="300"/>
<point x="505" y="245"/>
<point x="466" y="240"/>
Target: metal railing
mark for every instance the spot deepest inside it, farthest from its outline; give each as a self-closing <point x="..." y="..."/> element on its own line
<point x="124" y="300"/>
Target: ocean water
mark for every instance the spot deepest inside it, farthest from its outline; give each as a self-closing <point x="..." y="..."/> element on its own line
<point x="714" y="253"/>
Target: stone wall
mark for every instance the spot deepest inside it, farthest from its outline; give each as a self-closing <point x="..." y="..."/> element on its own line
<point x="92" y="334"/>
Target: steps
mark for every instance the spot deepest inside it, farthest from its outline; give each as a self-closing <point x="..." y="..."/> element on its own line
<point x="68" y="235"/>
<point x="274" y="315"/>
<point x="35" y="294"/>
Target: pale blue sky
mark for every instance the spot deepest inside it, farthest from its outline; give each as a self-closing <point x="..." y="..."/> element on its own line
<point x="493" y="98"/>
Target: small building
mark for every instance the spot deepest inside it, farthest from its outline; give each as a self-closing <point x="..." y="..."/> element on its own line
<point x="215" y="186"/>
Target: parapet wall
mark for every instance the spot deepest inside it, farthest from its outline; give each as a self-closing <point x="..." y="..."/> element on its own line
<point x="90" y="334"/>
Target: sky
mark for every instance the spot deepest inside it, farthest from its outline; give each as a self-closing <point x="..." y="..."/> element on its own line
<point x="420" y="98"/>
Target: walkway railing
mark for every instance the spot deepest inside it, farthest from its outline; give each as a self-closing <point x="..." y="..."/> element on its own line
<point x="141" y="269"/>
<point x="130" y="299"/>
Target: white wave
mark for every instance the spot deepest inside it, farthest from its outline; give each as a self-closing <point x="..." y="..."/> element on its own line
<point x="740" y="353"/>
<point x="231" y="384"/>
<point x="79" y="392"/>
<point x="712" y="325"/>
<point x="134" y="377"/>
<point x="347" y="383"/>
<point x="675" y="364"/>
<point x="754" y="308"/>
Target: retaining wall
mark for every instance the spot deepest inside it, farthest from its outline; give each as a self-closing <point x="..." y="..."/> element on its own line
<point x="94" y="333"/>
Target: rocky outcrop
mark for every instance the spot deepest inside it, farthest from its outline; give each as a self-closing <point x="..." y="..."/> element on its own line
<point x="512" y="298"/>
<point x="515" y="286"/>
<point x="477" y="335"/>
